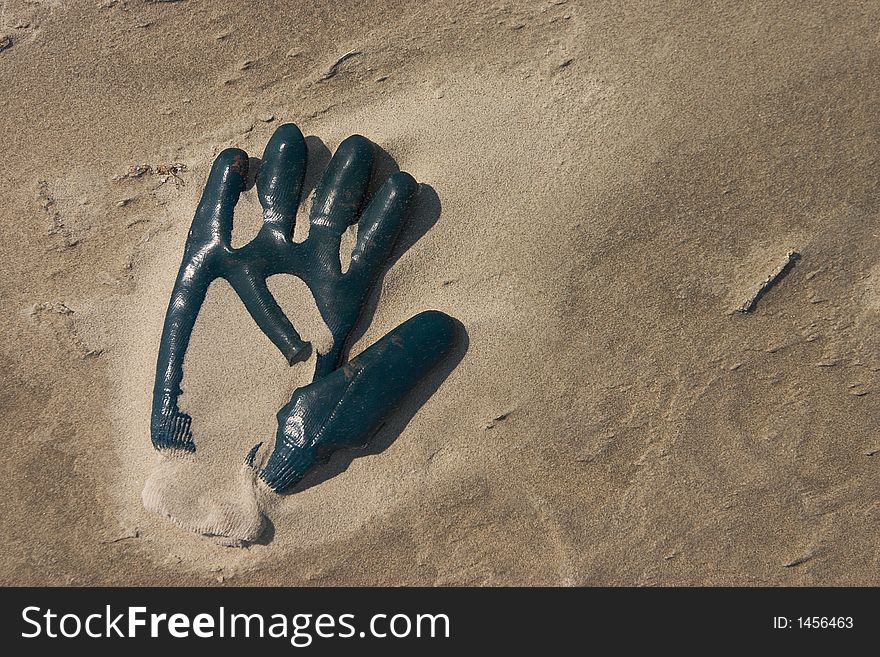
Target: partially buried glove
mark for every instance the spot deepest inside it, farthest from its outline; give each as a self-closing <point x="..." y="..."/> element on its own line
<point x="345" y="403"/>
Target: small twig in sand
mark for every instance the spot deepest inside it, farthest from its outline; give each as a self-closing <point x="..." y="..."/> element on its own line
<point x="495" y="420"/>
<point x="334" y="68"/>
<point x="165" y="172"/>
<point x="128" y="535"/>
<point x="775" y="276"/>
<point x="804" y="558"/>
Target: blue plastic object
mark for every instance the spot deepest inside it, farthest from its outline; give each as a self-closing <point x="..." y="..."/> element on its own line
<point x="344" y="404"/>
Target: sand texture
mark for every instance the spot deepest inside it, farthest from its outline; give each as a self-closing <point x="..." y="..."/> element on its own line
<point x="606" y="188"/>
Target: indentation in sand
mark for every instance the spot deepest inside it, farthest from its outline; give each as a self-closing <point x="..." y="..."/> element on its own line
<point x="235" y="381"/>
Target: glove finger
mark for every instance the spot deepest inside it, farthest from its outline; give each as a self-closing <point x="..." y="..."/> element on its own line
<point x="341" y="193"/>
<point x="380" y="225"/>
<point x="280" y="179"/>
<point x="268" y="315"/>
<point x="228" y="177"/>
<point x="348" y="406"/>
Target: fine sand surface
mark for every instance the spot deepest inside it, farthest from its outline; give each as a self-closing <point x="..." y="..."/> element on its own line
<point x="604" y="184"/>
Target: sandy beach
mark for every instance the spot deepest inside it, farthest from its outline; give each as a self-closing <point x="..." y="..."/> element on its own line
<point x="605" y="187"/>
